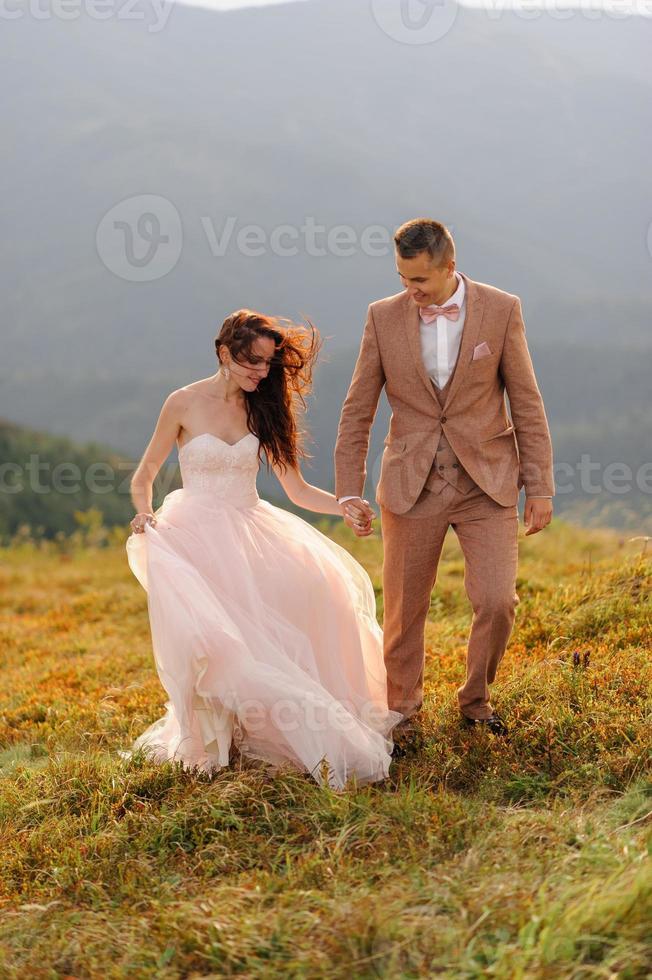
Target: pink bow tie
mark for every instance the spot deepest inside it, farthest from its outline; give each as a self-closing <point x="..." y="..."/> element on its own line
<point x="430" y="313"/>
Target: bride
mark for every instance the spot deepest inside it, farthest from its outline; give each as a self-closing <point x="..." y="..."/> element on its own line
<point x="264" y="630"/>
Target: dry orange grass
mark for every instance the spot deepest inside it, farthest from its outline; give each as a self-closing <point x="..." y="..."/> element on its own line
<point x="478" y="857"/>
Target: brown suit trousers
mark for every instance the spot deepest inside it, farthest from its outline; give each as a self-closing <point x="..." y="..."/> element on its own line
<point x="488" y="536"/>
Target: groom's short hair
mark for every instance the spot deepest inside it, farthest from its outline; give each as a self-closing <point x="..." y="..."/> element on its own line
<point x="425" y="235"/>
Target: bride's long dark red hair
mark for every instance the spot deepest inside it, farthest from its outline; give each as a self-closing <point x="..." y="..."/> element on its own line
<point x="272" y="408"/>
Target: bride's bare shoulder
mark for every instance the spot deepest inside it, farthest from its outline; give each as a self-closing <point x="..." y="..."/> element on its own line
<point x="184" y="395"/>
<point x="177" y="404"/>
<point x="183" y="401"/>
<point x="191" y="389"/>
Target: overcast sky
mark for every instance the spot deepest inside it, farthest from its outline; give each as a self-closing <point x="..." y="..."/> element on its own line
<point x="234" y="4"/>
<point x="618" y="6"/>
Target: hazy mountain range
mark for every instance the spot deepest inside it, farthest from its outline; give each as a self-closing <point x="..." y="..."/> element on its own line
<point x="529" y="137"/>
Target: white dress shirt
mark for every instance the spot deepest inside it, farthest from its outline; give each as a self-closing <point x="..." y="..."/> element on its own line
<point x="440" y="339"/>
<point x="440" y="344"/>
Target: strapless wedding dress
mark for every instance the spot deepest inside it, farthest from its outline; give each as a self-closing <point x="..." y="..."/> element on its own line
<point x="264" y="631"/>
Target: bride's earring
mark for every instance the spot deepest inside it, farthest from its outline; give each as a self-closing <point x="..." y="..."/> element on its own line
<point x="227" y="373"/>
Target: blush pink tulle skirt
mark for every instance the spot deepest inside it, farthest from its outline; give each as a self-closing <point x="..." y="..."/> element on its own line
<point x="264" y="633"/>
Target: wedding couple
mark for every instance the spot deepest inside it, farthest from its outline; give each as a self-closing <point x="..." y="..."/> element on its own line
<point x="264" y="630"/>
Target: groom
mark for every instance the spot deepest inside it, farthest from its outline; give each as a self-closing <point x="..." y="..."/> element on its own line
<point x="446" y="349"/>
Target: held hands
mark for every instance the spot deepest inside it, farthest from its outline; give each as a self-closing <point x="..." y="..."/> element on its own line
<point x="358" y="514"/>
<point x="140" y="520"/>
<point x="537" y="514"/>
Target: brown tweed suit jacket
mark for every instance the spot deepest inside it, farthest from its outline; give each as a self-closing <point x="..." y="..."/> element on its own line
<point x="500" y="454"/>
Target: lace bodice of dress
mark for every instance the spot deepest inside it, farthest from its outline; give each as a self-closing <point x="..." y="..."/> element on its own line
<point x="211" y="466"/>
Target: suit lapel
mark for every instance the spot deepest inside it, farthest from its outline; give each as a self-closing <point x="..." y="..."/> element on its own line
<point x="472" y="323"/>
<point x="413" y="331"/>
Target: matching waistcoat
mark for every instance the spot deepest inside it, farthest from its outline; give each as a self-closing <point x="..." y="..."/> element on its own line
<point x="446" y="467"/>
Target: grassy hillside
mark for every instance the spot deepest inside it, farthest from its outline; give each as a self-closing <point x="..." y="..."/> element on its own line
<point x="49" y="479"/>
<point x="477" y="857"/>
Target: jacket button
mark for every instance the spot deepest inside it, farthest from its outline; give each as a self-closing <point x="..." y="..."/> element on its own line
<point x="443" y="419"/>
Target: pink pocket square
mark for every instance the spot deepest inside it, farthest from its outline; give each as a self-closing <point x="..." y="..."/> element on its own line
<point x="482" y="350"/>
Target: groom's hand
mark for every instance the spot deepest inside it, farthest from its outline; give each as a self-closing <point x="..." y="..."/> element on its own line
<point x="537" y="514"/>
<point x="358" y="515"/>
